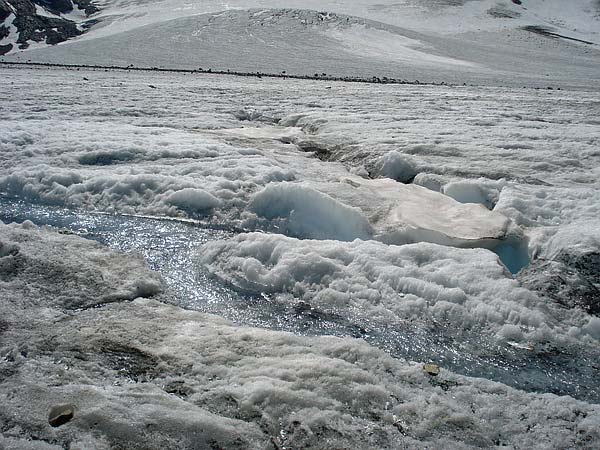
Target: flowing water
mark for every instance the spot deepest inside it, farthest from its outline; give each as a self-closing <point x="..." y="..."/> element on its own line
<point x="170" y="247"/>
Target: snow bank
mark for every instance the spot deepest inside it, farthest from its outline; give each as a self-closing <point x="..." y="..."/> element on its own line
<point x="125" y="168"/>
<point x="383" y="209"/>
<point x="309" y="213"/>
<point x="468" y="289"/>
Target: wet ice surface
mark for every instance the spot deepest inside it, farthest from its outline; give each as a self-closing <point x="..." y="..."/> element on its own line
<point x="170" y="247"/>
<point x="167" y="245"/>
<point x="111" y="143"/>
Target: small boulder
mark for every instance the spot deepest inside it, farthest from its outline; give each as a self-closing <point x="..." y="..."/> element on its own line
<point x="431" y="369"/>
<point x="61" y="414"/>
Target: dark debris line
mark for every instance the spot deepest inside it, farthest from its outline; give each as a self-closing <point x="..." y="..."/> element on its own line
<point x="316" y="76"/>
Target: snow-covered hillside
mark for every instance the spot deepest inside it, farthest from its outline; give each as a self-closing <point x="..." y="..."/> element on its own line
<point x="28" y="24"/>
<point x="485" y="41"/>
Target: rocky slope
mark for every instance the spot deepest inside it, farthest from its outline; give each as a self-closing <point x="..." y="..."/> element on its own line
<point x="42" y="21"/>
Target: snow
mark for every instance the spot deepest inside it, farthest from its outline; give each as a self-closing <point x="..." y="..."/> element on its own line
<point x="172" y="171"/>
<point x="310" y="213"/>
<point x="40" y="11"/>
<point x="370" y="42"/>
<point x="580" y="236"/>
<point x="13" y="33"/>
<point x="444" y="17"/>
<point x="482" y="191"/>
<point x="122" y="158"/>
<point x="452" y="42"/>
<point x="368" y="213"/>
<point x="468" y="288"/>
<point x="145" y="373"/>
<point x="191" y="200"/>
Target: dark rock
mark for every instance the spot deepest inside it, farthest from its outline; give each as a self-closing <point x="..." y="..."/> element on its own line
<point x="56" y="6"/>
<point x="11" y="262"/>
<point x="37" y="28"/>
<point x="61" y="414"/>
<point x="586" y="264"/>
<point x="88" y="24"/>
<point x="178" y="388"/>
<point x="500" y="12"/>
<point x="87" y="6"/>
<point x="318" y="149"/>
<point x="570" y="279"/>
<point x="5" y="10"/>
<point x="547" y="32"/>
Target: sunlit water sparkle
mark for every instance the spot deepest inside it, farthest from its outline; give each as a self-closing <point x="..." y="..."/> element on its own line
<point x="170" y="247"/>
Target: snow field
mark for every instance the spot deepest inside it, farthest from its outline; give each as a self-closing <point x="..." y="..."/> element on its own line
<point x="496" y="168"/>
<point x="145" y="373"/>
<point x="458" y="141"/>
<point x="527" y="155"/>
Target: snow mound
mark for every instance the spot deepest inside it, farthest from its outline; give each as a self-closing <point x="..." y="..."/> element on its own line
<point x="191" y="200"/>
<point x="309" y="213"/>
<point x="396" y="166"/>
<point x="482" y="191"/>
<point x="401" y="213"/>
<point x="469" y="289"/>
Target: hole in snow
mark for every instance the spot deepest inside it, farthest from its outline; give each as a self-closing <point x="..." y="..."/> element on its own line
<point x="514" y="254"/>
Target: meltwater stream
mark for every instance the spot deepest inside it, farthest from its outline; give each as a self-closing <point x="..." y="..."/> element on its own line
<point x="170" y="248"/>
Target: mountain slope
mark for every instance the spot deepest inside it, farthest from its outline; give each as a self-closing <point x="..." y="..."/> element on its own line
<point x="42" y="22"/>
<point x="484" y="41"/>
